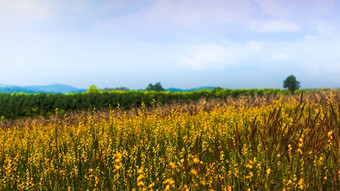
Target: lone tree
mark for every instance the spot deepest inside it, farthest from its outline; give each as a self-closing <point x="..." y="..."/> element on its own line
<point x="93" y="89"/>
<point x="157" y="87"/>
<point x="291" y="83"/>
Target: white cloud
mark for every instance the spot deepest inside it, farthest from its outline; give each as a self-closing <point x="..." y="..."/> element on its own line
<point x="310" y="37"/>
<point x="189" y="12"/>
<point x="23" y="10"/>
<point x="219" y="56"/>
<point x="208" y="56"/>
<point x="275" y="26"/>
<point x="292" y="9"/>
<point x="323" y="27"/>
<point x="282" y="56"/>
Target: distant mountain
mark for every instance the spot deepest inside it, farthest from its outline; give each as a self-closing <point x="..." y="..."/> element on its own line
<point x="190" y="90"/>
<point x="14" y="89"/>
<point x="62" y="88"/>
<point x="53" y="88"/>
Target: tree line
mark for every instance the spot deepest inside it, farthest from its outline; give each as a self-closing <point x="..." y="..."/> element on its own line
<point x="43" y="104"/>
<point x="28" y="105"/>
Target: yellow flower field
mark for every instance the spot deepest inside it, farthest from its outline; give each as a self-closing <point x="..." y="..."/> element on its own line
<point x="289" y="144"/>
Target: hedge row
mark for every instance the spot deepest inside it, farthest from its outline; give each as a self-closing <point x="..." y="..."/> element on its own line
<point x="28" y="105"/>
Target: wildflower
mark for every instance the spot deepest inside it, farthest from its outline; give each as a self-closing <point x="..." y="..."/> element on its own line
<point x="172" y="165"/>
<point x="140" y="177"/>
<point x="119" y="156"/>
<point x="152" y="185"/>
<point x="195" y="160"/>
<point x="96" y="180"/>
<point x="117" y="167"/>
<point x="300" y="183"/>
<point x="140" y="184"/>
<point x="294" y="178"/>
<point x="251" y="174"/>
<point x="300" y="142"/>
<point x="140" y="171"/>
<point x="268" y="171"/>
<point x="289" y="182"/>
<point x="169" y="181"/>
<point x="289" y="147"/>
<point x="194" y="172"/>
<point x="329" y="134"/>
<point x="249" y="166"/>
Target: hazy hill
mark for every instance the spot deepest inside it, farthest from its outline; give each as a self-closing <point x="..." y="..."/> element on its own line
<point x="53" y="88"/>
<point x="190" y="90"/>
<point x="14" y="89"/>
<point x="62" y="88"/>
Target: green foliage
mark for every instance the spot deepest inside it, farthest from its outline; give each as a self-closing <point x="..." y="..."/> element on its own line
<point x="157" y="87"/>
<point x="33" y="105"/>
<point x="291" y="83"/>
<point x="93" y="89"/>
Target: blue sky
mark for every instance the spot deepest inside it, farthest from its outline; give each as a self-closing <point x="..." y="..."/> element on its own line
<point x="181" y="43"/>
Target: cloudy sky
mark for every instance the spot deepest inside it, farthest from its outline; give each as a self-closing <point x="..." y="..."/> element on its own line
<point x="181" y="43"/>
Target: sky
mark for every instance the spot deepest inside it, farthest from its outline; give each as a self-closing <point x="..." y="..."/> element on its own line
<point x="180" y="43"/>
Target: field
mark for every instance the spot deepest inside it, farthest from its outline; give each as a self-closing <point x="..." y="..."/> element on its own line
<point x="289" y="142"/>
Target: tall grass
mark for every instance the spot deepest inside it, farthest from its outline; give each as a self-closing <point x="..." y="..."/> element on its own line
<point x="292" y="143"/>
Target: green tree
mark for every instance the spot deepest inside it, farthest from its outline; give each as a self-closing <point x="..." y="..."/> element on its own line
<point x="291" y="83"/>
<point x="157" y="87"/>
<point x="93" y="89"/>
<point x="149" y="88"/>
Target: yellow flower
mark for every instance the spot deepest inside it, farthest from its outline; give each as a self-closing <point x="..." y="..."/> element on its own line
<point x="329" y="133"/>
<point x="169" y="181"/>
<point x="117" y="167"/>
<point x="140" y="177"/>
<point x="194" y="172"/>
<point x="268" y="171"/>
<point x="251" y="174"/>
<point x="195" y="160"/>
<point x="152" y="185"/>
<point x="300" y="183"/>
<point x="140" y="171"/>
<point x="140" y="184"/>
<point x="119" y="155"/>
<point x="172" y="165"/>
